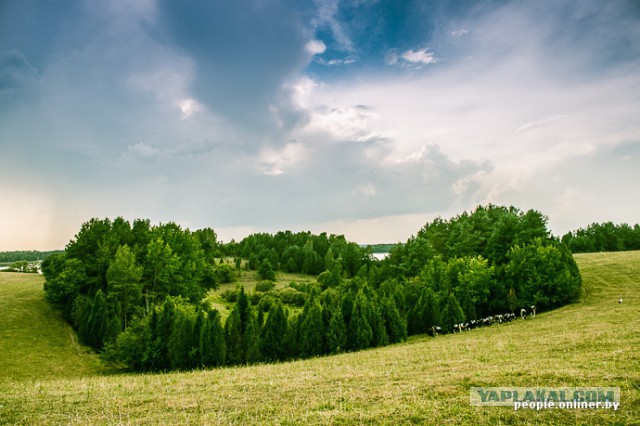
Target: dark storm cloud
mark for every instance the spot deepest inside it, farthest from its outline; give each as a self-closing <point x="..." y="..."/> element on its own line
<point x="243" y="51"/>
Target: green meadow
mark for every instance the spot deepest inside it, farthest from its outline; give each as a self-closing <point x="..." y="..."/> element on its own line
<point x="47" y="378"/>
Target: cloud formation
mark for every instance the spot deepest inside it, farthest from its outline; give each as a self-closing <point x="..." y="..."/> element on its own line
<point x="364" y="117"/>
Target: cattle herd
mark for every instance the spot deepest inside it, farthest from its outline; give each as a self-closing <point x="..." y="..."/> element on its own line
<point x="484" y="322"/>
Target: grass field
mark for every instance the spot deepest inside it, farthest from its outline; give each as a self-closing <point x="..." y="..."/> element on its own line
<point x="422" y="381"/>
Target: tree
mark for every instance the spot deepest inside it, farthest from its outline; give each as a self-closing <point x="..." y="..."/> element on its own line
<point x="451" y="313"/>
<point x="98" y="321"/>
<point x="543" y="274"/>
<point x="64" y="281"/>
<point x="336" y="335"/>
<point x="212" y="341"/>
<point x="242" y="335"/>
<point x="359" y="330"/>
<point x="311" y="329"/>
<point x="160" y="270"/>
<point x="273" y="334"/>
<point x="265" y="271"/>
<point x="123" y="282"/>
<point x="184" y="339"/>
<point x="395" y="327"/>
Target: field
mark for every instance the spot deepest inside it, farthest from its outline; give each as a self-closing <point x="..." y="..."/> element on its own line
<point x="48" y="379"/>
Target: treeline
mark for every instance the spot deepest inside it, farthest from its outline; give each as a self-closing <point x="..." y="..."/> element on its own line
<point x="136" y="291"/>
<point x="30" y="255"/>
<point x="605" y="236"/>
<point x="381" y="248"/>
<point x="300" y="252"/>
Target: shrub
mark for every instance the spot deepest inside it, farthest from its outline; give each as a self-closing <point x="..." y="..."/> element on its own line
<point x="265" y="286"/>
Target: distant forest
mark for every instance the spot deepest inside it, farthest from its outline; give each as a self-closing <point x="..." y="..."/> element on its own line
<point x="381" y="248"/>
<point x="31" y="255"/>
<point x="605" y="236"/>
<point x="137" y="292"/>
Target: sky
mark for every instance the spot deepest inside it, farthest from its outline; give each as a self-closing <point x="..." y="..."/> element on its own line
<point x="366" y="118"/>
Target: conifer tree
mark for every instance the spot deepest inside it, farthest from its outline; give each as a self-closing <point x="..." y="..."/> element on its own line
<point x="273" y="334"/>
<point x="251" y="341"/>
<point x="452" y="313"/>
<point x="181" y="341"/>
<point x="234" y="338"/>
<point x="212" y="342"/>
<point x="97" y="322"/>
<point x="336" y="331"/>
<point x="311" y="329"/>
<point x="359" y="330"/>
<point x="378" y="327"/>
<point x="396" y="328"/>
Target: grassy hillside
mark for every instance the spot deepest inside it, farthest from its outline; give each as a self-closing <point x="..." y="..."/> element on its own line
<point x="426" y="380"/>
<point x="35" y="342"/>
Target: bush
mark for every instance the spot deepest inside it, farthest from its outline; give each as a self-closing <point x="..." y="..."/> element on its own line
<point x="265" y="286"/>
<point x="291" y="296"/>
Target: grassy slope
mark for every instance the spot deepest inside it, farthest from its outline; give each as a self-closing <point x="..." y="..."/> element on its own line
<point x="594" y="343"/>
<point x="34" y="340"/>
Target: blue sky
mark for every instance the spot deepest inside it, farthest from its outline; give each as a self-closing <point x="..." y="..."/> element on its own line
<point x="364" y="118"/>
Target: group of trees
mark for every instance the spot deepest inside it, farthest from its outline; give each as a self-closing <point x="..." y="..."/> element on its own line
<point x="300" y="252"/>
<point x="136" y="291"/>
<point x="181" y="335"/>
<point x="114" y="271"/>
<point x="492" y="260"/>
<point x="605" y="236"/>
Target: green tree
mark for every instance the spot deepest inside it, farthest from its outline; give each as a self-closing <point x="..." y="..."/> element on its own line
<point x="359" y="330"/>
<point x="336" y="335"/>
<point x="311" y="329"/>
<point x="451" y="313"/>
<point x="63" y="285"/>
<point x="160" y="270"/>
<point x="395" y="327"/>
<point x="98" y="321"/>
<point x="123" y="282"/>
<point x="212" y="340"/>
<point x="184" y="339"/>
<point x="273" y="334"/>
<point x="265" y="271"/>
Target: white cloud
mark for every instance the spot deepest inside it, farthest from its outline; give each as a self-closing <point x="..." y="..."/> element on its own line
<point x="460" y="32"/>
<point x="315" y="47"/>
<point x="422" y="56"/>
<point x="533" y="124"/>
<point x="275" y="162"/>
<point x="188" y="107"/>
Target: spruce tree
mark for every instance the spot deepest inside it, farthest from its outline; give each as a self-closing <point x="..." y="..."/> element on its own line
<point x="359" y="330"/>
<point x="251" y="341"/>
<point x="378" y="326"/>
<point x="212" y="341"/>
<point x="452" y="313"/>
<point x="337" y="331"/>
<point x="311" y="329"/>
<point x="396" y="328"/>
<point x="274" y="332"/>
<point x="234" y="338"/>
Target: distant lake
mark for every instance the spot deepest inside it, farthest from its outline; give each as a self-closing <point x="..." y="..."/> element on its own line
<point x="380" y="256"/>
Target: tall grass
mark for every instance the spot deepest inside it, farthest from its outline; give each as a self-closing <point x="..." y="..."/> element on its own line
<point x="423" y="381"/>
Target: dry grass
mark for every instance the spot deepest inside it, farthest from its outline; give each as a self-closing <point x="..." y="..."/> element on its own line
<point x="423" y="381"/>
